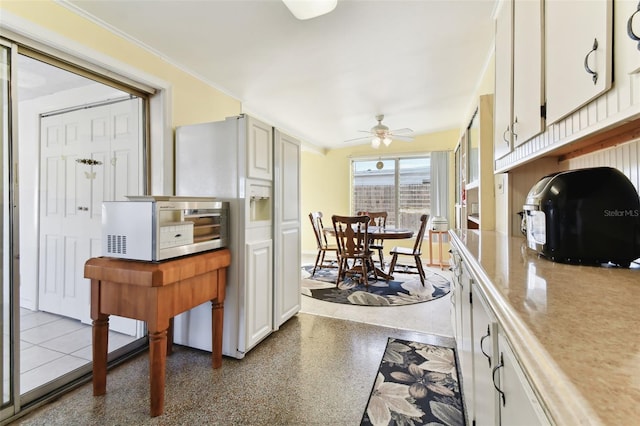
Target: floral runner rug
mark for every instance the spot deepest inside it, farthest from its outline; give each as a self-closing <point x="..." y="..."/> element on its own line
<point x="416" y="384"/>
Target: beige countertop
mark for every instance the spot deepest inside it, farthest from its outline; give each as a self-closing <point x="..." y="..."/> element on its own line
<point x="575" y="329"/>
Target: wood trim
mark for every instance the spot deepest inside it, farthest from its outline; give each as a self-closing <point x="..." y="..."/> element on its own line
<point x="603" y="140"/>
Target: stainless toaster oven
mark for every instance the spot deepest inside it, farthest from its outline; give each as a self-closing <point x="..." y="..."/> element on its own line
<point x="154" y="228"/>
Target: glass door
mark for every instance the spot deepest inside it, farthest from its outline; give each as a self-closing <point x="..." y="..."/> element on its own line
<point x="9" y="250"/>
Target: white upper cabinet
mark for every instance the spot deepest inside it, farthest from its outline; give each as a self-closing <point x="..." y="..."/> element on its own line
<point x="627" y="17"/>
<point x="528" y="87"/>
<point x="503" y="81"/>
<point x="578" y="54"/>
<point x="519" y="89"/>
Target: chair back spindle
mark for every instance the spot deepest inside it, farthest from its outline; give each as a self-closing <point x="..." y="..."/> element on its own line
<point x="322" y="243"/>
<point x="352" y="238"/>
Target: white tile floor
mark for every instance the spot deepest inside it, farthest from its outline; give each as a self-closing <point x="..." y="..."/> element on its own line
<point x="51" y="346"/>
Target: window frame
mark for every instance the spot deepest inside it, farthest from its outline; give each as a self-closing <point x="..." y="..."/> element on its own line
<point x="397" y="159"/>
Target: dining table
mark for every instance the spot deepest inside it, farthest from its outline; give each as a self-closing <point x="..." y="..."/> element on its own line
<point x="381" y="233"/>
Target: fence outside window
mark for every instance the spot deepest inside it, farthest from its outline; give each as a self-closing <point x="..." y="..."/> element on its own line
<point x="399" y="186"/>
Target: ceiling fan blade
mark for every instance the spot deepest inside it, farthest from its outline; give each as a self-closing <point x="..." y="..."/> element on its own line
<point x="402" y="138"/>
<point x="360" y="139"/>
<point x="400" y="131"/>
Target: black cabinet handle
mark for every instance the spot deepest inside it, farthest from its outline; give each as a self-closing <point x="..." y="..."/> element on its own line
<point x="594" y="74"/>
<point x="630" y="32"/>
<point x="493" y="374"/>
<point x="482" y="341"/>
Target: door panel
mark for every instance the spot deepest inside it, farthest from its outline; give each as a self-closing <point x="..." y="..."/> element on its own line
<point x="89" y="156"/>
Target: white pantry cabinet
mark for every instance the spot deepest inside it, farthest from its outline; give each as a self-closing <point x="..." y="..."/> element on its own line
<point x="259" y="294"/>
<point x="286" y="224"/>
<point x="259" y="149"/>
<point x="578" y="54"/>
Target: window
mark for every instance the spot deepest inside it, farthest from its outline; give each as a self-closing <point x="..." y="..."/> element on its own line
<point x="399" y="186"/>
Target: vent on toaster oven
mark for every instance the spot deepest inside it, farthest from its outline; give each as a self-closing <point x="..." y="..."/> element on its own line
<point x="117" y="244"/>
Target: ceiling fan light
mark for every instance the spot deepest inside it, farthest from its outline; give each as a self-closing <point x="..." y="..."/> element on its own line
<point x="307" y="9"/>
<point x="375" y="142"/>
<point x="386" y="140"/>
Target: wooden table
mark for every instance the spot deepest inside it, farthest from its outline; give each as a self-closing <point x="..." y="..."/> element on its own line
<point x="381" y="233"/>
<point x="155" y="293"/>
<point x="439" y="234"/>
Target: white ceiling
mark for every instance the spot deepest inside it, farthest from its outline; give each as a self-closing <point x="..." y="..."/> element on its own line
<point x="415" y="61"/>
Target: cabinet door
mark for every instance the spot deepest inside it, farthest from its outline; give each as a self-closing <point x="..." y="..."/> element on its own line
<point x="518" y="403"/>
<point x="465" y="345"/>
<point x="456" y="297"/>
<point x="485" y="341"/>
<point x="503" y="81"/>
<point x="259" y="291"/>
<point x="259" y="150"/>
<point x="287" y="245"/>
<point x="578" y="54"/>
<point x="627" y="27"/>
<point x="528" y="90"/>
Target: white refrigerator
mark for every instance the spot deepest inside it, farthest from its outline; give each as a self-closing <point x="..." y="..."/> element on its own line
<point x="256" y="168"/>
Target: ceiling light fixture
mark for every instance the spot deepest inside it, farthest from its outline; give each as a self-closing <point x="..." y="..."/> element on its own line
<point x="307" y="9"/>
<point x="375" y="142"/>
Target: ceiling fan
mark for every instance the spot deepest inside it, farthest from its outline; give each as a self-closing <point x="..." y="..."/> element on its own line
<point x="381" y="134"/>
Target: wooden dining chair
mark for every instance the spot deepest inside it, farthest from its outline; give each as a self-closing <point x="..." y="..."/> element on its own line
<point x="416" y="253"/>
<point x="323" y="244"/>
<point x="352" y="239"/>
<point x="377" y="219"/>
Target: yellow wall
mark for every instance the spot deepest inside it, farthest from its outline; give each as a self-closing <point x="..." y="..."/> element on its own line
<point x="326" y="177"/>
<point x="193" y="101"/>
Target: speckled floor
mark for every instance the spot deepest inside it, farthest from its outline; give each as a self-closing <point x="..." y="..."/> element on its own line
<point x="314" y="371"/>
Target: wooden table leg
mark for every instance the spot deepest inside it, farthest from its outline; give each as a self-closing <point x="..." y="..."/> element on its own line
<point x="157" y="361"/>
<point x="170" y="338"/>
<point x="100" y="337"/>
<point x="430" y="248"/>
<point x="440" y="251"/>
<point x="217" y="317"/>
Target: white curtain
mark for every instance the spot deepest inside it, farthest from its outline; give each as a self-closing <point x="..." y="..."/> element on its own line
<point x="440" y="183"/>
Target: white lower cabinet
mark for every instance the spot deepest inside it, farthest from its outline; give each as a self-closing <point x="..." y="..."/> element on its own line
<point x="496" y="389"/>
<point x="485" y="403"/>
<point x="518" y="403"/>
<point x="464" y="338"/>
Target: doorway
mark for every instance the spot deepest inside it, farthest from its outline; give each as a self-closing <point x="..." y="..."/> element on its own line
<point x="79" y="142"/>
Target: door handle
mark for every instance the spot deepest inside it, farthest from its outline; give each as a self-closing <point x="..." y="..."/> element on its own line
<point x="594" y="74"/>
<point x="493" y="376"/>
<point x="482" y="341"/>
<point x="632" y="35"/>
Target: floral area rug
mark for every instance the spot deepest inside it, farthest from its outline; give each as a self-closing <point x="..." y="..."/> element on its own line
<point x="404" y="289"/>
<point x="416" y="384"/>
